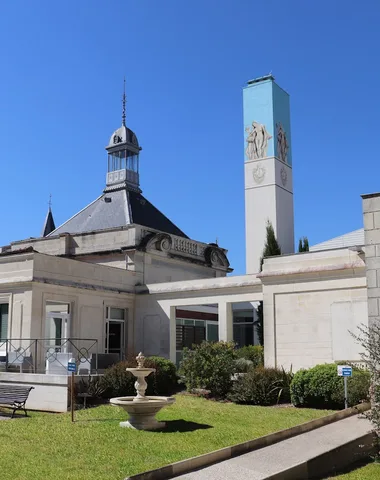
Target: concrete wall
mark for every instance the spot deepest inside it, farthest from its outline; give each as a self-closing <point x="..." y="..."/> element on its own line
<point x="16" y="269"/>
<point x="161" y="269"/>
<point x="49" y="392"/>
<point x="311" y="302"/>
<point x="74" y="273"/>
<point x="371" y="211"/>
<point x="88" y="312"/>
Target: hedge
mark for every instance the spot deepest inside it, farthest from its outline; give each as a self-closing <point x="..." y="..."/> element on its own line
<point x="320" y="387"/>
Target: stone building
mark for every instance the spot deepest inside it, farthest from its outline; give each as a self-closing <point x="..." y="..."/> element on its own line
<point x="79" y="280"/>
<point x="121" y="275"/>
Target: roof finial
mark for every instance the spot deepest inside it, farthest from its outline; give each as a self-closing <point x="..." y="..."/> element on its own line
<point x="49" y="202"/>
<point x="124" y="102"/>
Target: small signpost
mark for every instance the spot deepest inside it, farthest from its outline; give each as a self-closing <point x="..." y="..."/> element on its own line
<point x="345" y="371"/>
<point x="72" y="367"/>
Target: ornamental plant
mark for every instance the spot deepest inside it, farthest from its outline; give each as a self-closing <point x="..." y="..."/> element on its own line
<point x="209" y="366"/>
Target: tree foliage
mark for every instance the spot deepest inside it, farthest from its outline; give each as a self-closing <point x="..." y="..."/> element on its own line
<point x="209" y="366"/>
<point x="369" y="338"/>
<point x="271" y="249"/>
<point x="303" y="245"/>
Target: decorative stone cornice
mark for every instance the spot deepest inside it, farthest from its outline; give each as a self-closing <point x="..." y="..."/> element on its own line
<point x="210" y="255"/>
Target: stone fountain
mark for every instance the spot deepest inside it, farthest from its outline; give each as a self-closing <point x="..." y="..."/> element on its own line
<point x="142" y="410"/>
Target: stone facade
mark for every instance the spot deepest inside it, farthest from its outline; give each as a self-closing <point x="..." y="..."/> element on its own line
<point x="371" y="212"/>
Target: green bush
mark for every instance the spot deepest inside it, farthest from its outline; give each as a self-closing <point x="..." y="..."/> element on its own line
<point x="117" y="382"/>
<point x="254" y="353"/>
<point x="320" y="387"/>
<point x="165" y="380"/>
<point x="242" y="365"/>
<point x="209" y="366"/>
<point x="262" y="386"/>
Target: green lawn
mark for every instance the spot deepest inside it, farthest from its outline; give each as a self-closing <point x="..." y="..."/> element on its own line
<point x="368" y="472"/>
<point x="95" y="447"/>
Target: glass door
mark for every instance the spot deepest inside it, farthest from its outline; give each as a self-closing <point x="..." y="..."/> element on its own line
<point x="115" y="337"/>
<point x="57" y="330"/>
<point x="115" y="340"/>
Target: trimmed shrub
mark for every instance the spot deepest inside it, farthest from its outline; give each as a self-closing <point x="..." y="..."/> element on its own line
<point x="242" y="365"/>
<point x="209" y="366"/>
<point x="254" y="353"/>
<point x="165" y="380"/>
<point x="262" y="386"/>
<point x="117" y="382"/>
<point x="320" y="387"/>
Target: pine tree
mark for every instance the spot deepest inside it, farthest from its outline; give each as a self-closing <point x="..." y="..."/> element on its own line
<point x="271" y="248"/>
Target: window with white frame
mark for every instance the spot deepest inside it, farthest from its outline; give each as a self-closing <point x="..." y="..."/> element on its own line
<point x="4" y="312"/>
<point x="115" y="339"/>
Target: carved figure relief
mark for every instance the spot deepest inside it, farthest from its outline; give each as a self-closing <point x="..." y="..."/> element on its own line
<point x="257" y="141"/>
<point x="258" y="173"/>
<point x="282" y="143"/>
<point x="284" y="176"/>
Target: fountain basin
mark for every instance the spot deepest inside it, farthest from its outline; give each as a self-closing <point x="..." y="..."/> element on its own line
<point x="142" y="414"/>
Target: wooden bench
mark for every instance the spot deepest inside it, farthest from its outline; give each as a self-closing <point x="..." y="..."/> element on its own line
<point x="14" y="396"/>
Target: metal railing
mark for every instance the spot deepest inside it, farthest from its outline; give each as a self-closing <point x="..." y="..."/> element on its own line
<point x="49" y="355"/>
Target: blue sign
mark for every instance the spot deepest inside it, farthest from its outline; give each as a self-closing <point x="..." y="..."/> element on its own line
<point x="72" y="367"/>
<point x="344" y="371"/>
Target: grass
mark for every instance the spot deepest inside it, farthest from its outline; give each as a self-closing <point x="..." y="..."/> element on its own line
<point x="368" y="472"/>
<point x="50" y="446"/>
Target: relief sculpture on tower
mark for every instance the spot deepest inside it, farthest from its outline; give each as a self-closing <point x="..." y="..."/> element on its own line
<point x="282" y="144"/>
<point x="257" y="141"/>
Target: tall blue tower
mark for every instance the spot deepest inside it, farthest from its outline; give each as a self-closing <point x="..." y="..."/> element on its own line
<point x="268" y="168"/>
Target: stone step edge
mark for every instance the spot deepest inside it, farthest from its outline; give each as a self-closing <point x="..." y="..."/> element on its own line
<point x="195" y="463"/>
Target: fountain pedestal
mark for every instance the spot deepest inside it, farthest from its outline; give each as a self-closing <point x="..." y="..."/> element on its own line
<point x="142" y="410"/>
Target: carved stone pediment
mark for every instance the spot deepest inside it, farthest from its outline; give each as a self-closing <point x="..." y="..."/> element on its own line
<point x="215" y="257"/>
<point x="159" y="241"/>
<point x="186" y="250"/>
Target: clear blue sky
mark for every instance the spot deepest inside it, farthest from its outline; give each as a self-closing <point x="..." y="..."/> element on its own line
<point x="62" y="68"/>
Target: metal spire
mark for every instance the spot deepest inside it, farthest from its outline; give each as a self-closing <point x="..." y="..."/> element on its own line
<point x="49" y="202"/>
<point x="124" y="102"/>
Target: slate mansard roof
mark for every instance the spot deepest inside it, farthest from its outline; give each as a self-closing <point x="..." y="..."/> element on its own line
<point x="115" y="209"/>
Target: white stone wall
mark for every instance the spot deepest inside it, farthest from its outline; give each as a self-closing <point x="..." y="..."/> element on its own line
<point x="371" y="211"/>
<point x="161" y="269"/>
<point x="311" y="303"/>
<point x="72" y="272"/>
<point x="49" y="393"/>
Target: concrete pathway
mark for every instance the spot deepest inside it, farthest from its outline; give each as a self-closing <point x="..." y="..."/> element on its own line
<point x="266" y="462"/>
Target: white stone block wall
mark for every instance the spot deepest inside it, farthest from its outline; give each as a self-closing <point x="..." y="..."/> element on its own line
<point x="371" y="220"/>
<point x="49" y="392"/>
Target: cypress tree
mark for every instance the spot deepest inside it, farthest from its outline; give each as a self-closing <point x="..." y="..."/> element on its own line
<point x="303" y="245"/>
<point x="271" y="248"/>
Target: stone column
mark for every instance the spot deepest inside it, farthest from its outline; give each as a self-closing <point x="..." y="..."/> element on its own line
<point x="172" y="333"/>
<point x="371" y="213"/>
<point x="225" y="322"/>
